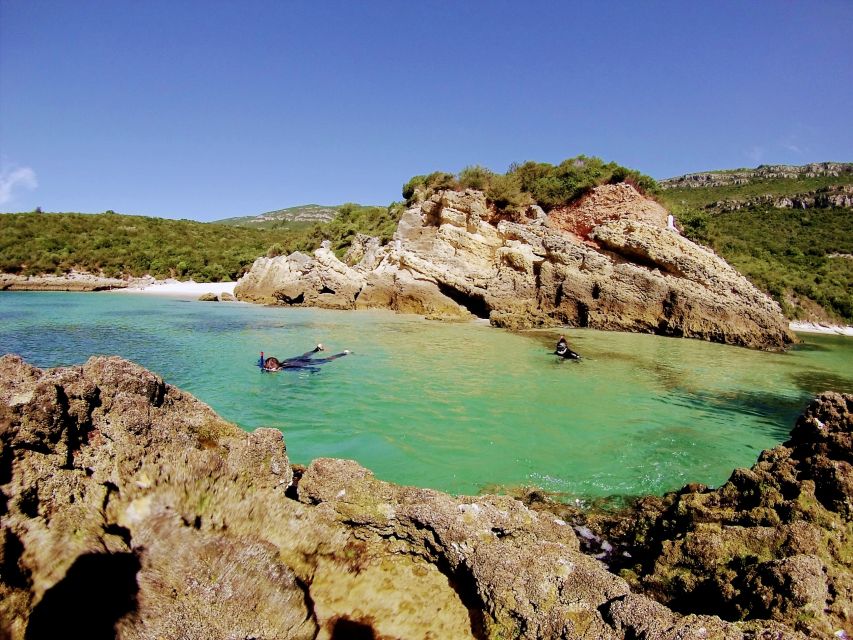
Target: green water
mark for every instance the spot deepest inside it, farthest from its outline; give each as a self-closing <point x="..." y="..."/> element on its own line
<point x="457" y="407"/>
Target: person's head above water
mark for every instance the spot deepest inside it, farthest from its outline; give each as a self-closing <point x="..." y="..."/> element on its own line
<point x="320" y="347"/>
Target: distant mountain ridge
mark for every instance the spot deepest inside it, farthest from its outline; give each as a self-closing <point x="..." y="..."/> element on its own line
<point x="761" y="173"/>
<point x="307" y="213"/>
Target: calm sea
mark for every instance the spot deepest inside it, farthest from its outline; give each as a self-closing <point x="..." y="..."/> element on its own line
<point x="456" y="407"/>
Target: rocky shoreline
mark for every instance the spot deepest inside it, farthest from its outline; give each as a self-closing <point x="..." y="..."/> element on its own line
<point x="129" y="508"/>
<point x="74" y="281"/>
<point x="611" y="262"/>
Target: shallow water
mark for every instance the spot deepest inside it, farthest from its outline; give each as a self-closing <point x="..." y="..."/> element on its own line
<point x="456" y="407"/>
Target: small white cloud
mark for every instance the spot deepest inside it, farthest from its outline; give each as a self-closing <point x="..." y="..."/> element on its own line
<point x="10" y="179"/>
<point x="755" y="154"/>
<point x="792" y="147"/>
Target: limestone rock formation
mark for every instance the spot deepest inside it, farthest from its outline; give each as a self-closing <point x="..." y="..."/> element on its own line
<point x="130" y="510"/>
<point x="607" y="203"/>
<point x="609" y="263"/>
<point x="763" y="172"/>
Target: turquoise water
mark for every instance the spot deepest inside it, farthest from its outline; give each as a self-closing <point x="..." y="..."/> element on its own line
<point x="457" y="407"/>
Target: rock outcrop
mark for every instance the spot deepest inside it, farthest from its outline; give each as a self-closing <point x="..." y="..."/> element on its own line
<point x="775" y="541"/>
<point x="610" y="263"/>
<point x="608" y="203"/>
<point x="763" y="172"/>
<point x="73" y="281"/>
<point x="130" y="510"/>
<point x="839" y="197"/>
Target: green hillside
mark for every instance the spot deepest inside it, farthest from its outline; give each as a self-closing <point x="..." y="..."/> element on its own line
<point x="792" y="236"/>
<point x="120" y="245"/>
<point x="301" y="216"/>
<point x="117" y="245"/>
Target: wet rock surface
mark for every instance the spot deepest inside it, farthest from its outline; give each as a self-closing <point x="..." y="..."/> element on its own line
<point x="129" y="509"/>
<point x="775" y="541"/>
<point x="609" y="263"/>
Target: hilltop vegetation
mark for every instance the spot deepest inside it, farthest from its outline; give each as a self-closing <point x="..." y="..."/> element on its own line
<point x="803" y="257"/>
<point x="119" y="245"/>
<point x="529" y="183"/>
<point x="297" y="217"/>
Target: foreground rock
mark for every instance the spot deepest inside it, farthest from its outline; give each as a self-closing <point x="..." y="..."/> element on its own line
<point x="775" y="541"/>
<point x="130" y="509"/>
<point x="608" y="263"/>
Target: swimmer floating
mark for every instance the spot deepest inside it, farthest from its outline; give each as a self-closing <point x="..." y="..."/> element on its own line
<point x="305" y="361"/>
<point x="563" y="350"/>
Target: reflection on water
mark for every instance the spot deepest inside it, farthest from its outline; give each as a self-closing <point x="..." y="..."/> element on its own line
<point x="456" y="407"/>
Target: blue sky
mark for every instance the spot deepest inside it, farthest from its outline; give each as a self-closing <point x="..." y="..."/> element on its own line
<point x="211" y="109"/>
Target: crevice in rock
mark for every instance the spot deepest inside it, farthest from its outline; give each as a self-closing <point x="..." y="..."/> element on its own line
<point x="596" y="291"/>
<point x="474" y="303"/>
<point x="307" y="599"/>
<point x="13" y="573"/>
<point x="295" y="300"/>
<point x="342" y="628"/>
<point x="28" y="502"/>
<point x="292" y="491"/>
<point x="583" y="314"/>
<point x="111" y="488"/>
<point x="120" y="531"/>
<point x="100" y="584"/>
<point x="326" y="289"/>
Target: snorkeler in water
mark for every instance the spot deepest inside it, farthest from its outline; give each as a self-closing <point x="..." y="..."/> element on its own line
<point x="305" y="361"/>
<point x="563" y="350"/>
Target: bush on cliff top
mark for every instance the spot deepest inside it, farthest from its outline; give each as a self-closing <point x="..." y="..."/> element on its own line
<point x="530" y="182"/>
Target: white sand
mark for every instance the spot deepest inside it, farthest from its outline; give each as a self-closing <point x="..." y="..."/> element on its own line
<point x="814" y="327"/>
<point x="189" y="289"/>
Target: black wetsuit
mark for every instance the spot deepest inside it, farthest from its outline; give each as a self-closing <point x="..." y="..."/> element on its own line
<point x="305" y="361"/>
<point x="563" y="350"/>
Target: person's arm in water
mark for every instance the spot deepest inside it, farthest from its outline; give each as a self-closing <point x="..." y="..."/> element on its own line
<point x="330" y="358"/>
<point x="305" y="357"/>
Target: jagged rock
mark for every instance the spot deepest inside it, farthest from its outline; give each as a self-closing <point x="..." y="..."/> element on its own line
<point x="454" y="256"/>
<point x="773" y="542"/>
<point x="208" y="297"/>
<point x="607" y="203"/>
<point x="226" y="297"/>
<point x="130" y="510"/>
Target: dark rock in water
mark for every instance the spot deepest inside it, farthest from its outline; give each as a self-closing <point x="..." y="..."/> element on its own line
<point x="208" y="297"/>
<point x="130" y="509"/>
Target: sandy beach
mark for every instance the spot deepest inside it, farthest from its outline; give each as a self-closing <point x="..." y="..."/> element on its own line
<point x="814" y="327"/>
<point x="189" y="289"/>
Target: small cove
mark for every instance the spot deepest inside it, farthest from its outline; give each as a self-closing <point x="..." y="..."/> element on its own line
<point x="455" y="407"/>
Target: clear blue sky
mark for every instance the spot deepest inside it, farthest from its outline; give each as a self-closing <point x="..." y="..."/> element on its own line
<point x="212" y="109"/>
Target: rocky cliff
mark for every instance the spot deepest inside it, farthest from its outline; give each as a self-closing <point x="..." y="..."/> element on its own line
<point x="764" y="172"/>
<point x="130" y="510"/>
<point x="608" y="263"/>
<point x="840" y="196"/>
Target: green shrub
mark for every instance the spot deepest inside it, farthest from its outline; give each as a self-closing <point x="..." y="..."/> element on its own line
<point x="475" y="177"/>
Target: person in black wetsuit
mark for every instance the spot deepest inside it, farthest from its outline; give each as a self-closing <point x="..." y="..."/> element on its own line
<point x="563" y="350"/>
<point x="305" y="361"/>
